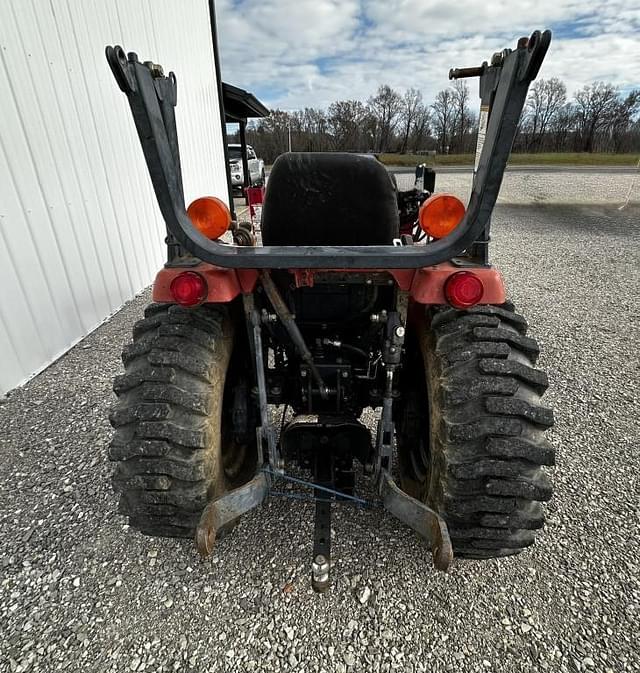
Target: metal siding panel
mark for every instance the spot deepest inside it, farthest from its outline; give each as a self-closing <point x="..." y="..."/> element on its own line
<point x="80" y="232"/>
<point x="134" y="36"/>
<point x="53" y="164"/>
<point x="147" y="226"/>
<point x="202" y="151"/>
<point x="30" y="239"/>
<point x="87" y="157"/>
<point x="64" y="120"/>
<point x="16" y="311"/>
<point x="109" y="147"/>
<point x="11" y="364"/>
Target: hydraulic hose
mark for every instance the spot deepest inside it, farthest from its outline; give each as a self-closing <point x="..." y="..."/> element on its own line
<point x="282" y="311"/>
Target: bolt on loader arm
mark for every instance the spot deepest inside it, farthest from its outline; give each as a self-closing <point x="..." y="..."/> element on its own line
<point x="152" y="97"/>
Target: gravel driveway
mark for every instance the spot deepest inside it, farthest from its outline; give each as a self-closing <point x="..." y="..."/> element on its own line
<point x="80" y="591"/>
<point x="541" y="185"/>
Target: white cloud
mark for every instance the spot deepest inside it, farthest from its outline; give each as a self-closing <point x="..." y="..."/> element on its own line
<point x="300" y="53"/>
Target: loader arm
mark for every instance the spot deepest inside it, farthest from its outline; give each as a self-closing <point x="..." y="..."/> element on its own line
<point x="150" y="94"/>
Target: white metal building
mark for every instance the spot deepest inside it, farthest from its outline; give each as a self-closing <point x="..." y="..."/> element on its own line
<point x="80" y="231"/>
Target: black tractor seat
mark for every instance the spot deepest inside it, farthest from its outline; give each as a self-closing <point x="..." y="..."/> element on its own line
<point x="329" y="198"/>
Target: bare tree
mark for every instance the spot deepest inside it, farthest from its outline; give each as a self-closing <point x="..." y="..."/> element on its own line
<point x="411" y="109"/>
<point x="315" y="129"/>
<point x="599" y="118"/>
<point x="421" y="128"/>
<point x="296" y="124"/>
<point x="622" y="121"/>
<point x="561" y="126"/>
<point x="346" y="121"/>
<point x="546" y="99"/>
<point x="269" y="137"/>
<point x="385" y="109"/>
<point x="595" y="106"/>
<point x="443" y="118"/>
<point x="462" y="117"/>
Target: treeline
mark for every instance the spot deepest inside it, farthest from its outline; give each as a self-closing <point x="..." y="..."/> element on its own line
<point x="599" y="118"/>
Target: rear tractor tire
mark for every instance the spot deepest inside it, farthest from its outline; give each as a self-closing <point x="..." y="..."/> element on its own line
<point x="174" y="444"/>
<point x="471" y="431"/>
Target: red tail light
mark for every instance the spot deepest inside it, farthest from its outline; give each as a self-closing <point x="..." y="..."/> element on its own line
<point x="189" y="288"/>
<point x="463" y="289"/>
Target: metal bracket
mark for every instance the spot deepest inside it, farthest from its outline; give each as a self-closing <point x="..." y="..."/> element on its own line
<point x="265" y="432"/>
<point x="119" y="64"/>
<point x="395" y="326"/>
<point x="167" y="97"/>
<point x="227" y="508"/>
<point x="536" y="46"/>
<point x="321" y="565"/>
<point x="425" y="521"/>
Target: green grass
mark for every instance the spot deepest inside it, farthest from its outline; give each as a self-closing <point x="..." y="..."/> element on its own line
<point x="542" y="159"/>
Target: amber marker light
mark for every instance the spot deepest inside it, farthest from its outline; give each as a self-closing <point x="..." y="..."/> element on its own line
<point x="210" y="216"/>
<point x="440" y="214"/>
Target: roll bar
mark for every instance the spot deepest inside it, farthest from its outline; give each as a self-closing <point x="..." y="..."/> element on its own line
<point x="152" y="98"/>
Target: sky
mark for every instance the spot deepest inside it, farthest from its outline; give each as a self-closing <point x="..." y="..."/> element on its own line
<point x="308" y="53"/>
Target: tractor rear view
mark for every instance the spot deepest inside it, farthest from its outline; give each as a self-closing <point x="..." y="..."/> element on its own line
<point x="357" y="297"/>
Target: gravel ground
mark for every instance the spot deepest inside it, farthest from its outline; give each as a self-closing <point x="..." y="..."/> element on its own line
<point x="80" y="591"/>
<point x="565" y="187"/>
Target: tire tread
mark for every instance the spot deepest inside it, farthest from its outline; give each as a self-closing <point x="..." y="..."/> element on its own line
<point x="160" y="418"/>
<point x="488" y="440"/>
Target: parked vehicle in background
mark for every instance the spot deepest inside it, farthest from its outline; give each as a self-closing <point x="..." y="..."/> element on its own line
<point x="256" y="167"/>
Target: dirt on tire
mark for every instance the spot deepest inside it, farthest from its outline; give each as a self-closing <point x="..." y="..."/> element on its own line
<point x="168" y="439"/>
<point x="471" y="433"/>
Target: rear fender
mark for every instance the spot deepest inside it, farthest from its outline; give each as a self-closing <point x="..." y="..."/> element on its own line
<point x="428" y="284"/>
<point x="425" y="286"/>
<point x="224" y="284"/>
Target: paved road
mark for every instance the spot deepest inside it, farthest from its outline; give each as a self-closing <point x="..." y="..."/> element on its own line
<point x="624" y="170"/>
<point x="80" y="591"/>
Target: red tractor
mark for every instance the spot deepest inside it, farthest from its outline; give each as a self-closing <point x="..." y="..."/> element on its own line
<point x="358" y="296"/>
